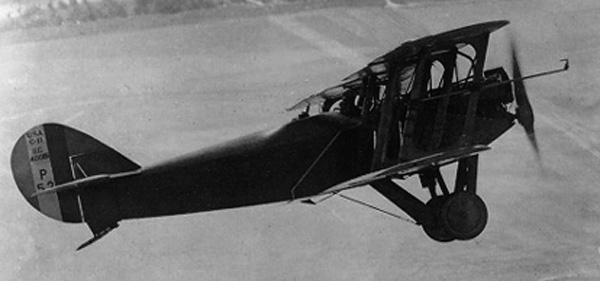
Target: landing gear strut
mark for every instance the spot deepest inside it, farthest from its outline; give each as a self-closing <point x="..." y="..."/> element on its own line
<point x="460" y="215"/>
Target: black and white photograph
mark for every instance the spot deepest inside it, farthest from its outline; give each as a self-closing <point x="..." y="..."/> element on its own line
<point x="300" y="140"/>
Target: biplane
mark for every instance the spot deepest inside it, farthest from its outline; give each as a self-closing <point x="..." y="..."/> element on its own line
<point x="427" y="104"/>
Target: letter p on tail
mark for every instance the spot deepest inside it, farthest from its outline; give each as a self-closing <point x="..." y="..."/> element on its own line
<point x="54" y="155"/>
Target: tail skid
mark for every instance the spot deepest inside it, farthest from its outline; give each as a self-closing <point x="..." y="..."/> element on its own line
<point x="97" y="236"/>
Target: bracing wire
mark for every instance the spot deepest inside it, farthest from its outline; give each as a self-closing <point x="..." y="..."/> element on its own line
<point x="377" y="209"/>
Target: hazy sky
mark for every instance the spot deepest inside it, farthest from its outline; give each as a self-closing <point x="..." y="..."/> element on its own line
<point x="156" y="93"/>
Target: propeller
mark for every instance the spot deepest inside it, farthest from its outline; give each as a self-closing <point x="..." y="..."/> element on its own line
<point x="524" y="111"/>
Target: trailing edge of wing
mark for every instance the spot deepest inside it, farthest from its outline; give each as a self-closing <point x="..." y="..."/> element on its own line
<point x="409" y="168"/>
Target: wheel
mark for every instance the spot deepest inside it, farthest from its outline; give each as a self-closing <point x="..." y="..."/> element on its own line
<point x="435" y="230"/>
<point x="464" y="215"/>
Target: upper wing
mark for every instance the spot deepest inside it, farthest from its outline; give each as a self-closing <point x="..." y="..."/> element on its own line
<point x="406" y="53"/>
<point x="409" y="168"/>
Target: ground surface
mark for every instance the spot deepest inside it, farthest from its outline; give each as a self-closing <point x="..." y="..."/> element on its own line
<point x="155" y="93"/>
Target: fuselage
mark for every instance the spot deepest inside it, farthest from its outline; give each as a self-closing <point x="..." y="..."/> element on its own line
<point x="300" y="159"/>
<point x="297" y="160"/>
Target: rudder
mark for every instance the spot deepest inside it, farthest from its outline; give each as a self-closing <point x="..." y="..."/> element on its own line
<point x="52" y="154"/>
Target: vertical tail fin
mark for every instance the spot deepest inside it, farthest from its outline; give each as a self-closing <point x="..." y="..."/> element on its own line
<point x="52" y="154"/>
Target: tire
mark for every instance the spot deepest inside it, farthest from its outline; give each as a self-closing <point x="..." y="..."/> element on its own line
<point x="464" y="215"/>
<point x="435" y="230"/>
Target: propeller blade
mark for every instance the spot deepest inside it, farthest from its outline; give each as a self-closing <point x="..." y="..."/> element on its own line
<point x="524" y="111"/>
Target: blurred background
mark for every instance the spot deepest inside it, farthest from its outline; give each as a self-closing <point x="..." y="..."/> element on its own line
<point x="156" y="79"/>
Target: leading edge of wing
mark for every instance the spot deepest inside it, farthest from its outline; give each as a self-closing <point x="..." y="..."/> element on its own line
<point x="409" y="168"/>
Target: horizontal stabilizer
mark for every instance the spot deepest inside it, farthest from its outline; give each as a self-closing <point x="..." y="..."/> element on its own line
<point x="84" y="182"/>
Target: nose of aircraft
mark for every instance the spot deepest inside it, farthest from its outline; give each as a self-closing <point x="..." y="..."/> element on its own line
<point x="524" y="111"/>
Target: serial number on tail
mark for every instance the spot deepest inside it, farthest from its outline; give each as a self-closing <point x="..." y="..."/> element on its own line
<point x="39" y="159"/>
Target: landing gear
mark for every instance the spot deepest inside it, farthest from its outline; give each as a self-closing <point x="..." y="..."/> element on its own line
<point x="462" y="216"/>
